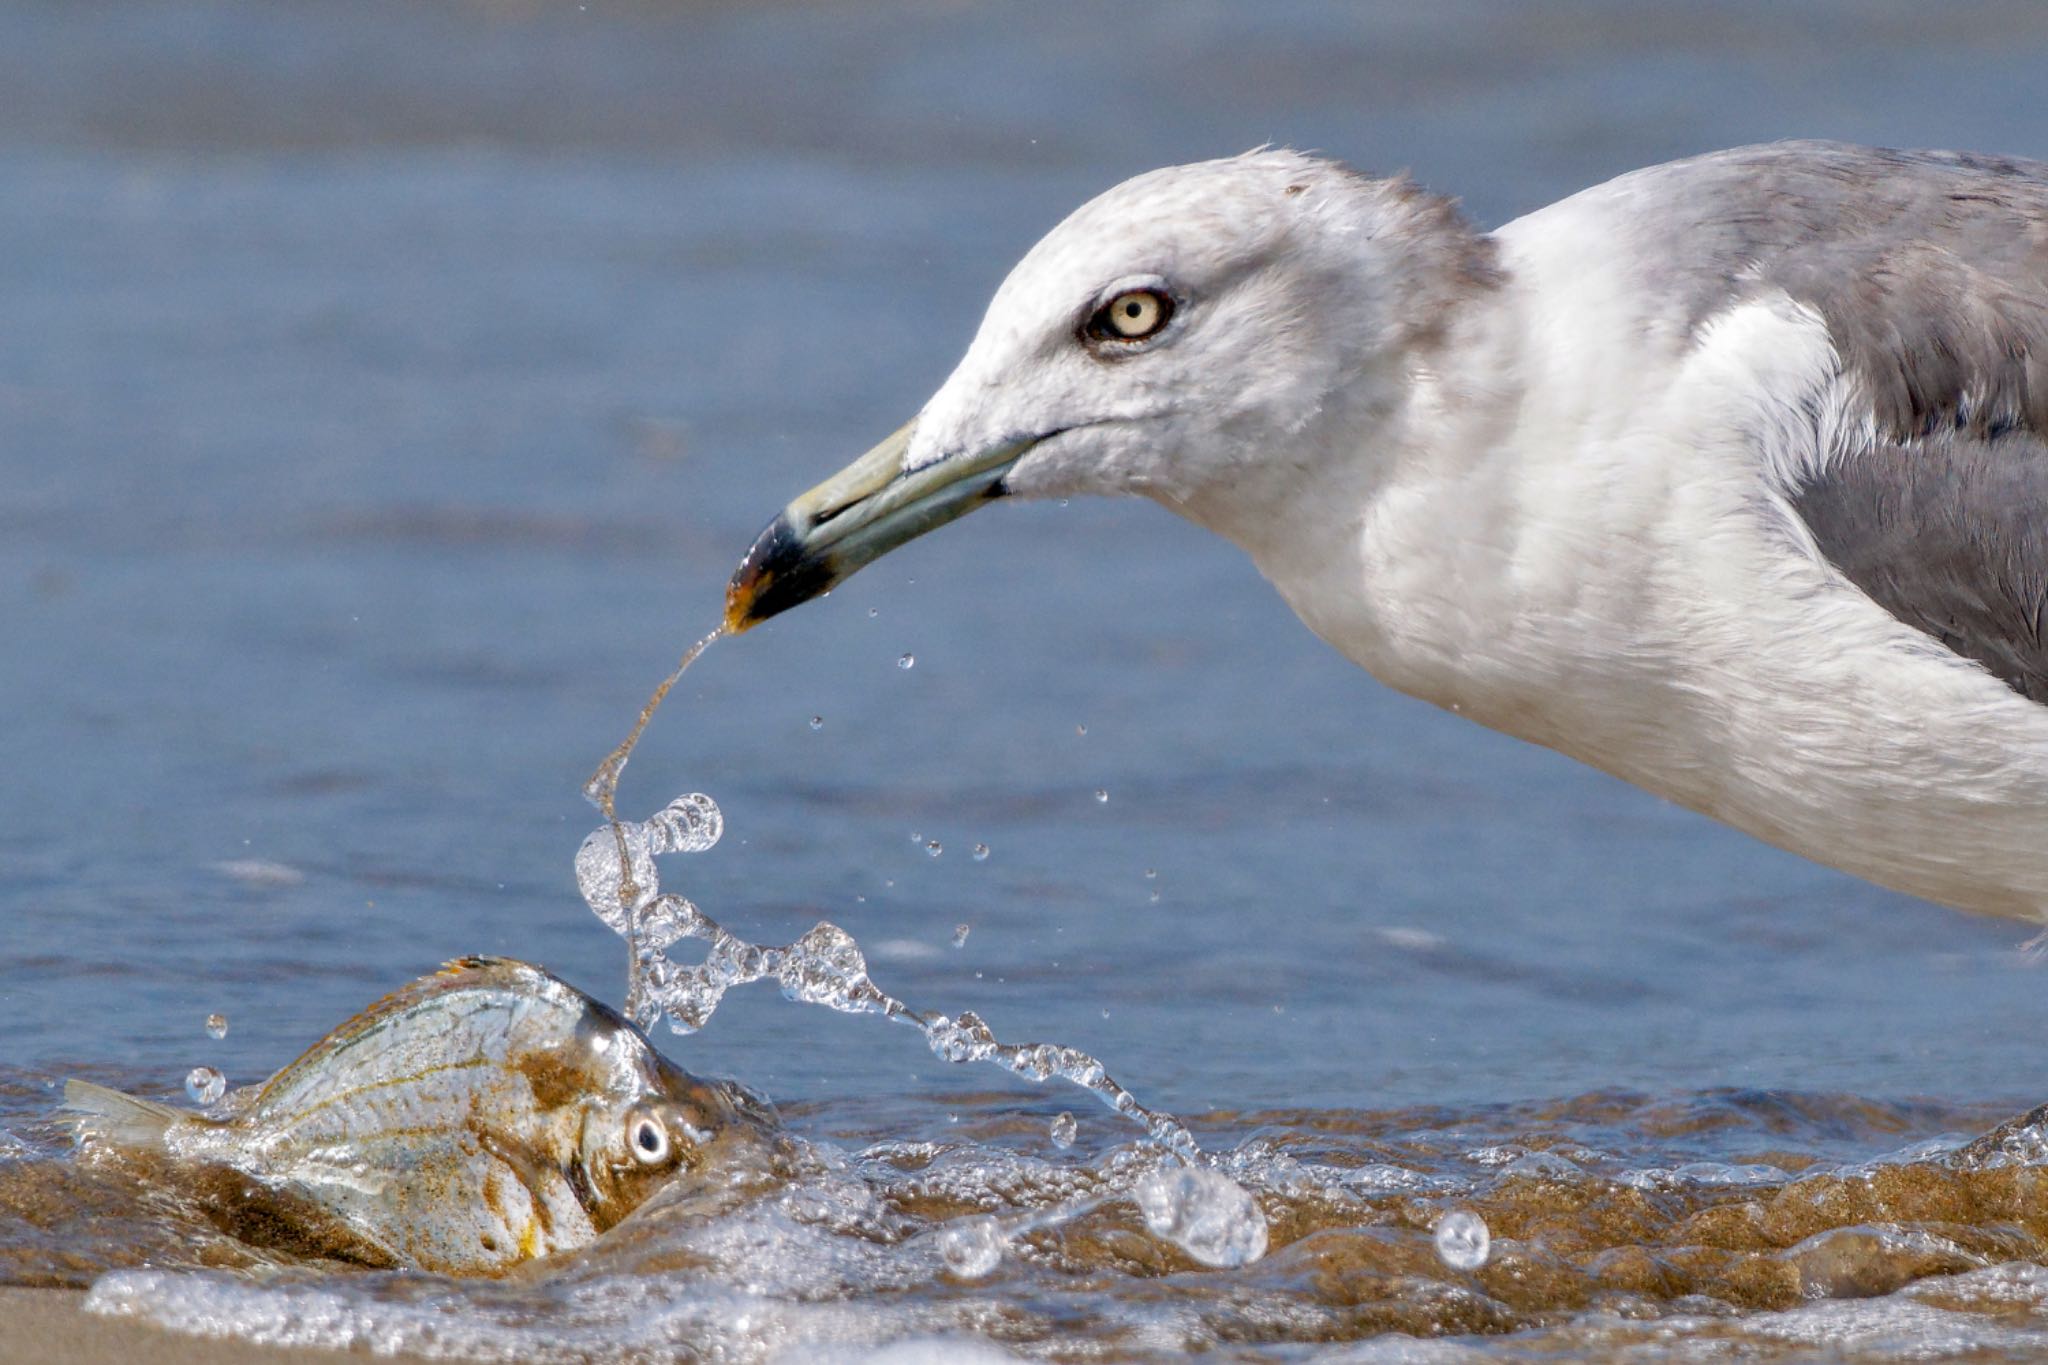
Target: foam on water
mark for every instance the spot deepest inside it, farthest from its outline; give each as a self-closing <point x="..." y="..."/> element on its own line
<point x="961" y="1236"/>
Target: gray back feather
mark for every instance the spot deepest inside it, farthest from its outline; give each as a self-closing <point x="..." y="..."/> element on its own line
<point x="1930" y="270"/>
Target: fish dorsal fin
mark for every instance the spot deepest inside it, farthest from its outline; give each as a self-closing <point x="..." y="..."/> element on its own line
<point x="363" y="1051"/>
<point x="105" y="1115"/>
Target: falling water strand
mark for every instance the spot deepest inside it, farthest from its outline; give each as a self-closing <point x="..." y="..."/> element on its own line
<point x="625" y="894"/>
<point x="603" y="785"/>
<point x="825" y="966"/>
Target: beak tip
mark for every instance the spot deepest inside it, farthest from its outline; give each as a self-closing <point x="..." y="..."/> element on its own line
<point x="778" y="573"/>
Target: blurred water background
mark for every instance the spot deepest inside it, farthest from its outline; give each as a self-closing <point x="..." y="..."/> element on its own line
<point x="387" y="390"/>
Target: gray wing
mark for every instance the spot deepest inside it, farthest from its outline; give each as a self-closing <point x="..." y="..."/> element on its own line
<point x="1949" y="534"/>
<point x="1930" y="270"/>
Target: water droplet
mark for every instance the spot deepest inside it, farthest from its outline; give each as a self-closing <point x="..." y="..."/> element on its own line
<point x="1153" y="898"/>
<point x="934" y="848"/>
<point x="1203" y="1212"/>
<point x="1463" y="1240"/>
<point x="1080" y="729"/>
<point x="873" y="613"/>
<point x="1101" y="794"/>
<point x="216" y="1026"/>
<point x="972" y="1247"/>
<point x="817" y="722"/>
<point x="1150" y="873"/>
<point x="981" y="853"/>
<point x="205" y="1085"/>
<point x="907" y="661"/>
<point x="1064" y="1128"/>
<point x="960" y="932"/>
<point x="916" y="838"/>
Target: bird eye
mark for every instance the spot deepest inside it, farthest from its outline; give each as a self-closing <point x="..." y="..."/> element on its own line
<point x="648" y="1139"/>
<point x="1132" y="315"/>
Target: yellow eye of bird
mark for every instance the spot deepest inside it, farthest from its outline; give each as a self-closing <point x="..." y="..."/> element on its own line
<point x="1131" y="316"/>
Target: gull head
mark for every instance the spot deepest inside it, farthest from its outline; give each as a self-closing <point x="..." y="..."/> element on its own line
<point x="1204" y="335"/>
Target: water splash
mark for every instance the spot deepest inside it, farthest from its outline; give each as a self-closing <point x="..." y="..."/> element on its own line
<point x="1203" y="1212"/>
<point x="205" y="1085"/>
<point x="825" y="966"/>
<point x="972" y="1247"/>
<point x="1463" y="1240"/>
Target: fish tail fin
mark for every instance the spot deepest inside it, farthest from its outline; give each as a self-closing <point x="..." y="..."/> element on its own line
<point x="109" y="1116"/>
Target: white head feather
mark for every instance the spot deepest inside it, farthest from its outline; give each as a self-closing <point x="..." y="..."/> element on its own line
<point x="1303" y="294"/>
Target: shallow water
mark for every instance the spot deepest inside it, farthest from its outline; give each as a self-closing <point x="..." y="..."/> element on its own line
<point x="386" y="393"/>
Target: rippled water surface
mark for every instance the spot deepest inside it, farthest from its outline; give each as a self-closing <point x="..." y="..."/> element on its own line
<point x="387" y="390"/>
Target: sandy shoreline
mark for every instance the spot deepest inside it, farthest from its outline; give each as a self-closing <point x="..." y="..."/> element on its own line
<point x="50" y="1327"/>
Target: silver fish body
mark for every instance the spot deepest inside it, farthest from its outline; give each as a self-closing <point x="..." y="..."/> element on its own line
<point x="472" y="1120"/>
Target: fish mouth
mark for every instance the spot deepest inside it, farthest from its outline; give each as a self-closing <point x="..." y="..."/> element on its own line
<point x="858" y="515"/>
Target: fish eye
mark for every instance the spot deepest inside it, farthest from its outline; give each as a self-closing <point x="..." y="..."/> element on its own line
<point x="648" y="1139"/>
<point x="1133" y="315"/>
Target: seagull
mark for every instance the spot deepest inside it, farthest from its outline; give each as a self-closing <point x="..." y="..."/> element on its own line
<point x="1728" y="476"/>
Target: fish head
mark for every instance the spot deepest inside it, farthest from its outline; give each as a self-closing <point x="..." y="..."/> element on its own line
<point x="656" y="1123"/>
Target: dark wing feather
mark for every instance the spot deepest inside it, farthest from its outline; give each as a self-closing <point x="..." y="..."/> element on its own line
<point x="1930" y="270"/>
<point x="1950" y="535"/>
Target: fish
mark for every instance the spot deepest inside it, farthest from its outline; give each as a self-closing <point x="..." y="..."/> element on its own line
<point x="478" y="1118"/>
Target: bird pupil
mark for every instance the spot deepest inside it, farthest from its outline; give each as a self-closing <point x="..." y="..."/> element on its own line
<point x="648" y="1137"/>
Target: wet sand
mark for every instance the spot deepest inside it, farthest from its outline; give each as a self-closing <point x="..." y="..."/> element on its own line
<point x="51" y="1327"/>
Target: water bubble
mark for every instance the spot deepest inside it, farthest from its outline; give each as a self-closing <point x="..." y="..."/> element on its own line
<point x="1203" y="1212"/>
<point x="934" y="848"/>
<point x="216" y="1026"/>
<point x="1462" y="1240"/>
<point x="981" y="853"/>
<point x="1101" y="794"/>
<point x="688" y="824"/>
<point x="972" y="1247"/>
<point x="960" y="932"/>
<point x="907" y="661"/>
<point x="205" y="1085"/>
<point x="602" y="875"/>
<point x="817" y="722"/>
<point x="1064" y="1129"/>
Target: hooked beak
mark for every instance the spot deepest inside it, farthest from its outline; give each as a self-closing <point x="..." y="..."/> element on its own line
<point x="858" y="515"/>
